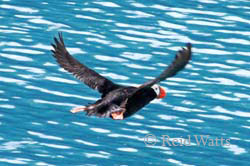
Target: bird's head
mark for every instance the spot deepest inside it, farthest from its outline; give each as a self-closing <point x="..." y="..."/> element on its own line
<point x="160" y="92"/>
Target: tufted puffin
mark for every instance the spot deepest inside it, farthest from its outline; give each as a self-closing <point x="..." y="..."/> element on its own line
<point x="117" y="101"/>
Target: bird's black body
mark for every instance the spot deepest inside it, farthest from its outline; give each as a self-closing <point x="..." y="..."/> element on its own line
<point x="111" y="102"/>
<point x="116" y="98"/>
<point x="139" y="100"/>
<point x="116" y="101"/>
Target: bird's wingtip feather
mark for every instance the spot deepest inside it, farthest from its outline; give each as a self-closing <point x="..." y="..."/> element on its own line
<point x="189" y="45"/>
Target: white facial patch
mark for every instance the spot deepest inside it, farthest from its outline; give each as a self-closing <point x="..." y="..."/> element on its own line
<point x="156" y="88"/>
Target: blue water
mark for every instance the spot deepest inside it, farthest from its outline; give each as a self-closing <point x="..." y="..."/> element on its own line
<point x="129" y="42"/>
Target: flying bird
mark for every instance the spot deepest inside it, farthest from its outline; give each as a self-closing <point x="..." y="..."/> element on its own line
<point x="117" y="101"/>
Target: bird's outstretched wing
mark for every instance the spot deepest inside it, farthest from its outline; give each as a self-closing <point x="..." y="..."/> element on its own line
<point x="80" y="71"/>
<point x="181" y="60"/>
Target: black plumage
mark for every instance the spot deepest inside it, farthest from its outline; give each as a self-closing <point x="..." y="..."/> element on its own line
<point x="117" y="101"/>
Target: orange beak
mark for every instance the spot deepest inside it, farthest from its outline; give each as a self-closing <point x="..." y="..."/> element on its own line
<point x="162" y="93"/>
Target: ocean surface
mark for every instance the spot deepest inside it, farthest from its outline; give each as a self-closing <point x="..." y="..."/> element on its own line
<point x="129" y="42"/>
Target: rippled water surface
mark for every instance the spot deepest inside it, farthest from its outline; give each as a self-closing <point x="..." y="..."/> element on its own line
<point x="129" y="42"/>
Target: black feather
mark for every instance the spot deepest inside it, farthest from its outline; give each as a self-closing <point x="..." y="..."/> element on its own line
<point x="80" y="71"/>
